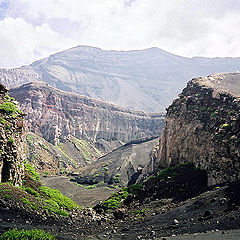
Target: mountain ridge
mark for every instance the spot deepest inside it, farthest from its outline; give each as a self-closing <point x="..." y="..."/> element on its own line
<point x="145" y="80"/>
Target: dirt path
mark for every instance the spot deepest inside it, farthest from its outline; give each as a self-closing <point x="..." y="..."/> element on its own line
<point x="84" y="197"/>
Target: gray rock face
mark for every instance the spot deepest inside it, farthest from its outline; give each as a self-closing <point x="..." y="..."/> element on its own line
<point x="145" y="80"/>
<point x="122" y="166"/>
<point x="203" y="126"/>
<point x="12" y="140"/>
<point x="56" y="115"/>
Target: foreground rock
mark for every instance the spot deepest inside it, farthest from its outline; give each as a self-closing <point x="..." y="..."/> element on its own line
<point x="203" y="126"/>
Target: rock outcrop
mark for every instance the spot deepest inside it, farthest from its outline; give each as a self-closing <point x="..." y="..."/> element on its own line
<point x="203" y="126"/>
<point x="56" y="115"/>
<point x="12" y="135"/>
<point x="145" y="80"/>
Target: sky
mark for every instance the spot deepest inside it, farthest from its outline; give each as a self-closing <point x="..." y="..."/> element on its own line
<point x="34" y="29"/>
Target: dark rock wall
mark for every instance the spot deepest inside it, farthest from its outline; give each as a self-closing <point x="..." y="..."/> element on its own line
<point x="203" y="126"/>
<point x="12" y="141"/>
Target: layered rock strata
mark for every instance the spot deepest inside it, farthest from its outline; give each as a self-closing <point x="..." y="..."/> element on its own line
<point x="56" y="115"/>
<point x="203" y="126"/>
<point x="12" y="140"/>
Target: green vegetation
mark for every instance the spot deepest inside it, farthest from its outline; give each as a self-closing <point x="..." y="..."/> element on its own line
<point x="101" y="183"/>
<point x="30" y="204"/>
<point x="11" y="140"/>
<point x="2" y="121"/>
<point x="7" y="196"/>
<point x="53" y="207"/>
<point x="117" y="198"/>
<point x="56" y="196"/>
<point x="30" y="191"/>
<point x="167" y="172"/>
<point x="34" y="234"/>
<point x="171" y="171"/>
<point x="213" y="115"/>
<point x="91" y="186"/>
<point x="32" y="172"/>
<point x="87" y="149"/>
<point x="62" y="148"/>
<point x="143" y="211"/>
<point x="9" y="108"/>
<point x="116" y="179"/>
<point x="225" y="125"/>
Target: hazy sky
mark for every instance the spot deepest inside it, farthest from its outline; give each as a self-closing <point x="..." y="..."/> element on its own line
<point x="32" y="29"/>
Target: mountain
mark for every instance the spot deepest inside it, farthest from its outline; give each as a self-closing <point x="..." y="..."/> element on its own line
<point x="145" y="80"/>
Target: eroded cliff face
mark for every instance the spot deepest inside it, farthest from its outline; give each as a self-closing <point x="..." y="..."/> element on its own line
<point x="203" y="126"/>
<point x="12" y="144"/>
<point x="56" y="115"/>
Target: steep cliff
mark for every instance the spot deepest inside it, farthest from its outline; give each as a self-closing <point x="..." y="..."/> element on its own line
<point x="12" y="136"/>
<point x="203" y="126"/>
<point x="145" y="80"/>
<point x="64" y="118"/>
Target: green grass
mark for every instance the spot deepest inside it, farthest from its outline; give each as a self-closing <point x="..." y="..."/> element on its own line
<point x="56" y="196"/>
<point x="30" y="191"/>
<point x="34" y="234"/>
<point x="9" y="108"/>
<point x="53" y="207"/>
<point x="30" y="204"/>
<point x="32" y="172"/>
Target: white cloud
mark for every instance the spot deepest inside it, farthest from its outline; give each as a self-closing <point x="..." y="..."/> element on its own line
<point x="188" y="28"/>
<point x="21" y="43"/>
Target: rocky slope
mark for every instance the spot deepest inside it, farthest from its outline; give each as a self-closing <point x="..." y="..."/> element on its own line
<point x="121" y="167"/>
<point x="12" y="134"/>
<point x="61" y="159"/>
<point x="203" y="126"/>
<point x="56" y="115"/>
<point x="145" y="80"/>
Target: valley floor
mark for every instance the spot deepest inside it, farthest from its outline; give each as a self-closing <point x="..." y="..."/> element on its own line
<point x="82" y="196"/>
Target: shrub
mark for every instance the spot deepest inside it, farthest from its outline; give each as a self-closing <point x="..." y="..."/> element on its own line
<point x="115" y="200"/>
<point x="34" y="234"/>
<point x="167" y="172"/>
<point x="134" y="189"/>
